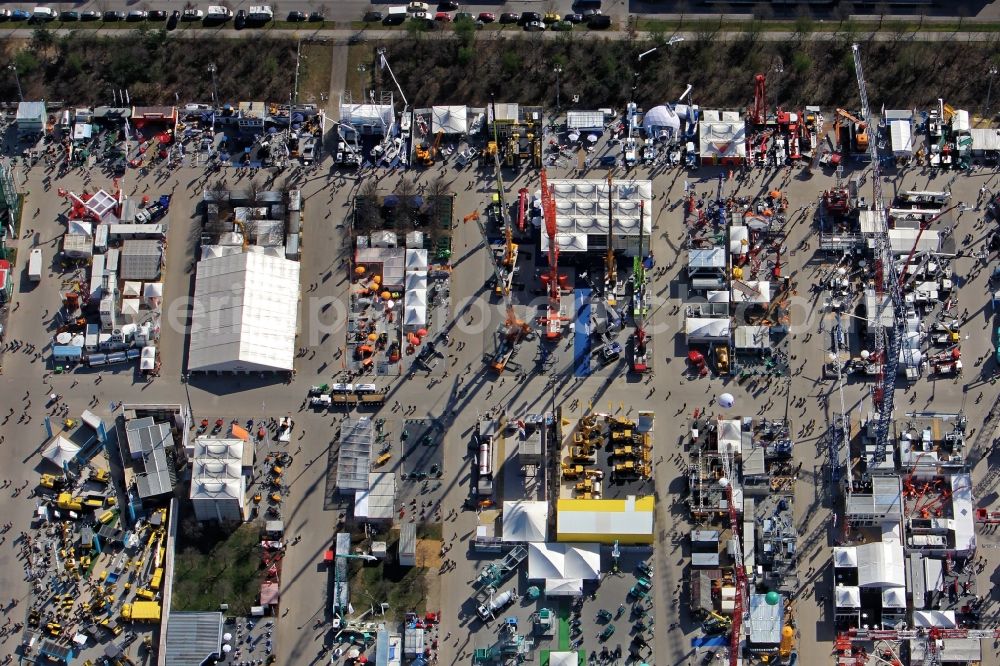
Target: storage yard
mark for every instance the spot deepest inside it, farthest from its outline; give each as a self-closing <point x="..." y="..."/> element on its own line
<point x="500" y="383"/>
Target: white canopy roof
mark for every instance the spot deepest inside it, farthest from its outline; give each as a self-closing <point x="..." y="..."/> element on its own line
<point x="416" y="260"/>
<point x="699" y="329"/>
<point x="582" y="208"/>
<point x="416" y="280"/>
<point x="416" y="298"/>
<point x="130" y="307"/>
<point x="562" y="560"/>
<point x="730" y="436"/>
<point x="525" y="521"/>
<point x="132" y="289"/>
<point x="245" y="313"/>
<point x="894" y="597"/>
<point x="449" y="119"/>
<point x="413" y="316"/>
<point x="722" y="138"/>
<point x="563" y="658"/>
<point x="61" y="451"/>
<point x="848" y="596"/>
<point x="845" y="557"/>
<point x="366" y="114"/>
<point x="934" y="618"/>
<point x="880" y="565"/>
<point x="79" y="228"/>
<point x="902" y="138"/>
<point x="147" y="359"/>
<point x="563" y="587"/>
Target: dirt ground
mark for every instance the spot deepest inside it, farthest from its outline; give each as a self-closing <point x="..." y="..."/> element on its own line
<point x="428" y="553"/>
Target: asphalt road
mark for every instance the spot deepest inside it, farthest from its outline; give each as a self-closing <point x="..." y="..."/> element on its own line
<point x="669" y="391"/>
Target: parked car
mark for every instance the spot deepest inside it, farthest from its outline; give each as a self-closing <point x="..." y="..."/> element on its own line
<point x="573" y="18"/>
<point x="373" y="17"/>
<point x="550" y="17"/>
<point x="90" y="15"/>
<point x="4" y="14"/>
<point x="157" y="15"/>
<point x="599" y="22"/>
<point x="421" y="16"/>
<point x="486" y="17"/>
<point x="19" y="15"/>
<point x="175" y="16"/>
<point x="561" y="26"/>
<point x="443" y="17"/>
<point x="529" y="17"/>
<point x="240" y="21"/>
<point x="510" y="17"/>
<point x="112" y="16"/>
<point x="464" y="16"/>
<point x="296" y="17"/>
<point x="137" y="15"/>
<point x="394" y="19"/>
<point x="447" y="6"/>
<point x="534" y="26"/>
<point x="69" y="16"/>
<point x="415" y="7"/>
<point x="192" y="15"/>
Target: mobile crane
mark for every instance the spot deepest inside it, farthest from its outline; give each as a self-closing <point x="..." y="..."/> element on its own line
<point x="740" y="605"/>
<point x="860" y="128"/>
<point x="757" y="113"/>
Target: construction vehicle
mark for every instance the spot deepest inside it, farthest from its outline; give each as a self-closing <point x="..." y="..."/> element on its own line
<point x="51" y="481"/>
<point x="722" y="359"/>
<point x="67" y="502"/>
<point x="624" y="452"/>
<point x="553" y="316"/>
<point x="426" y="154"/>
<point x="588" y="486"/>
<point x="858" y="129"/>
<point x="572" y="471"/>
<point x="579" y="455"/>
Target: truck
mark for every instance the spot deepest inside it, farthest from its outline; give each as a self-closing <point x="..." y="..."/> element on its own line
<point x="35" y="265"/>
<point x="218" y="13"/>
<point x="496" y="604"/>
<point x="260" y="13"/>
<point x="141" y="611"/>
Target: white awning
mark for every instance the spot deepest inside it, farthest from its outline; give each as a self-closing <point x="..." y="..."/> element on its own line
<point x="416" y="280"/>
<point x="563" y="587"/>
<point x="934" y="618"/>
<point x="880" y="565"/>
<point x="894" y="597"/>
<point x="702" y="329"/>
<point x="900" y="132"/>
<point x="848" y="596"/>
<point x="845" y="557"/>
<point x="416" y="260"/>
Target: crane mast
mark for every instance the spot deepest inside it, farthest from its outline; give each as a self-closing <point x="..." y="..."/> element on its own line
<point x="741" y="604"/>
<point x="887" y="287"/>
<point x="553" y="318"/>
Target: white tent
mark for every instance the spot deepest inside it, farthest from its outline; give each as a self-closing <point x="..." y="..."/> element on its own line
<point x="730" y="436"/>
<point x="547" y="561"/>
<point x="847" y="596"/>
<point x="416" y="298"/>
<point x="845" y="557"/>
<point x="525" y="521"/>
<point x="414" y="316"/>
<point x="661" y="119"/>
<point x="130" y="308"/>
<point x="894" y="597"/>
<point x="132" y="289"/>
<point x="901" y="135"/>
<point x="416" y="260"/>
<point x="147" y="358"/>
<point x="703" y="329"/>
<point x="722" y="141"/>
<point x="449" y="119"/>
<point x="61" y="451"/>
<point x="153" y="293"/>
<point x="245" y="314"/>
<point x="416" y="280"/>
<point x="934" y="618"/>
<point x="880" y="565"/>
<point x="563" y="658"/>
<point x="79" y="228"/>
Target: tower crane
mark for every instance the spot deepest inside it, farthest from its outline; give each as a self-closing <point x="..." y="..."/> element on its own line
<point x="553" y="314"/>
<point x="886" y="283"/>
<point x="741" y="604"/>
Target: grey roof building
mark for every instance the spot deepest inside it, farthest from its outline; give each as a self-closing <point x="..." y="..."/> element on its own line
<point x="147" y="443"/>
<point x="193" y="638"/>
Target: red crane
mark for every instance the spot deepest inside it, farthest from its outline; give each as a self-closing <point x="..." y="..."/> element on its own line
<point x="553" y="318"/>
<point x="522" y="204"/>
<point x="916" y="243"/>
<point x="757" y="111"/>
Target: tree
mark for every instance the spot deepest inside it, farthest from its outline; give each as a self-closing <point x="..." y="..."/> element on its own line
<point x="42" y="39"/>
<point x="405" y="190"/>
<point x="366" y="210"/>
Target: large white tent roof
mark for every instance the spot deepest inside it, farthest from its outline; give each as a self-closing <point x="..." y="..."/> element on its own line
<point x="661" y="118"/>
<point x="722" y="138"/>
<point x="563" y="658"/>
<point x="845" y="557"/>
<point x="449" y="119"/>
<point x="416" y="280"/>
<point x="847" y="596"/>
<point x="416" y="260"/>
<point x="700" y="329"/>
<point x="61" y="451"/>
<point x="582" y="208"/>
<point x="525" y="521"/>
<point x="880" y="564"/>
<point x="245" y="313"/>
<point x="562" y="560"/>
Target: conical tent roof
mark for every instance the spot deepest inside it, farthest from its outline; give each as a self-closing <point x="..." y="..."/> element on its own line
<point x="524" y="521"/>
<point x="61" y="451"/>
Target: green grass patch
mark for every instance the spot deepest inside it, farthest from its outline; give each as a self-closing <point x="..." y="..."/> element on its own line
<point x="316" y="68"/>
<point x="215" y="567"/>
<point x="357" y="81"/>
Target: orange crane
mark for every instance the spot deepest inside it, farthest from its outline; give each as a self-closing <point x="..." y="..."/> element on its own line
<point x="553" y="315"/>
<point x="860" y="129"/>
